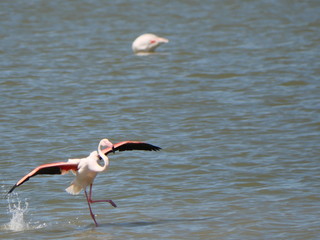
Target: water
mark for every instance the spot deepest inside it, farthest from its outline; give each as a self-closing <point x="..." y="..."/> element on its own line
<point x="233" y="100"/>
<point x="17" y="222"/>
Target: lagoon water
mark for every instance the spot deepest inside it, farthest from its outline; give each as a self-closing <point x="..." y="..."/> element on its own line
<point x="233" y="100"/>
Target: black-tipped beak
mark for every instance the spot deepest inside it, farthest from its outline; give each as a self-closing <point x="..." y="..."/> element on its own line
<point x="113" y="150"/>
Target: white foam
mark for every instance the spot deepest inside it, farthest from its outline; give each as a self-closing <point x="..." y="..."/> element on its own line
<point x="18" y="212"/>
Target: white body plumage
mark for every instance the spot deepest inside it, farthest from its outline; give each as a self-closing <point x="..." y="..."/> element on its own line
<point x="88" y="168"/>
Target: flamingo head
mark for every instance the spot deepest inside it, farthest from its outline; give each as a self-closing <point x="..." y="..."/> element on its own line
<point x="105" y="143"/>
<point x="147" y="42"/>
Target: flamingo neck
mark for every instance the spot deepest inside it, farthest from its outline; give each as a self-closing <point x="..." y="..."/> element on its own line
<point x="105" y="160"/>
<point x="96" y="155"/>
<point x="92" y="162"/>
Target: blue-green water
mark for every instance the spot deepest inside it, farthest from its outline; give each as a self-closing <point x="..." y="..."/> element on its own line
<point x="233" y="100"/>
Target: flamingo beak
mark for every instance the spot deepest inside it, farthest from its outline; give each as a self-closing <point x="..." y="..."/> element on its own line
<point x="113" y="149"/>
<point x="162" y="40"/>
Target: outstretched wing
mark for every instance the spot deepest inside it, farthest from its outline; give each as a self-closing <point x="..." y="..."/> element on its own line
<point x="50" y="168"/>
<point x="130" y="145"/>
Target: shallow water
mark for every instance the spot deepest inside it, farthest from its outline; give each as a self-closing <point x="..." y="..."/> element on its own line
<point x="233" y="100"/>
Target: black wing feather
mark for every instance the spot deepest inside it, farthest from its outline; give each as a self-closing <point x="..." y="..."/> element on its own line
<point x="130" y="145"/>
<point x="137" y="146"/>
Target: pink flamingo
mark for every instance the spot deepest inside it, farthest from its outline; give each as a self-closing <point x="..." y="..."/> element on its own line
<point x="86" y="169"/>
<point x="147" y="42"/>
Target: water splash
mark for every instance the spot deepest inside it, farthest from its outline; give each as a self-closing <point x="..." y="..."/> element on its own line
<point x="18" y="212"/>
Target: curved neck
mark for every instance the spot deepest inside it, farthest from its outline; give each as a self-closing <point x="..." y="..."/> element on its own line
<point x="104" y="158"/>
<point x="95" y="156"/>
<point x="93" y="161"/>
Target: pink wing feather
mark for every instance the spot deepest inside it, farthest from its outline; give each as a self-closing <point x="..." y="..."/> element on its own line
<point x="50" y="168"/>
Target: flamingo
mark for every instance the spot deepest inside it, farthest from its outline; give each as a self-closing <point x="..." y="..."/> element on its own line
<point x="147" y="42"/>
<point x="86" y="169"/>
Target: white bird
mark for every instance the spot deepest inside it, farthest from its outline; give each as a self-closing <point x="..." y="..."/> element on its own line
<point x="147" y="42"/>
<point x="86" y="169"/>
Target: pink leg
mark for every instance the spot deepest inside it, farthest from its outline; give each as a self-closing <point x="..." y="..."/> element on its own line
<point x="91" y="213"/>
<point x="95" y="201"/>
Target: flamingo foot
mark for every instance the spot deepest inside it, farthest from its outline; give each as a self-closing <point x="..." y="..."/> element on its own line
<point x="108" y="201"/>
<point x="94" y="219"/>
<point x="95" y="201"/>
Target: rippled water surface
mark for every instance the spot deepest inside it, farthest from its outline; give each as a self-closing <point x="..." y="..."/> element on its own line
<point x="233" y="100"/>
